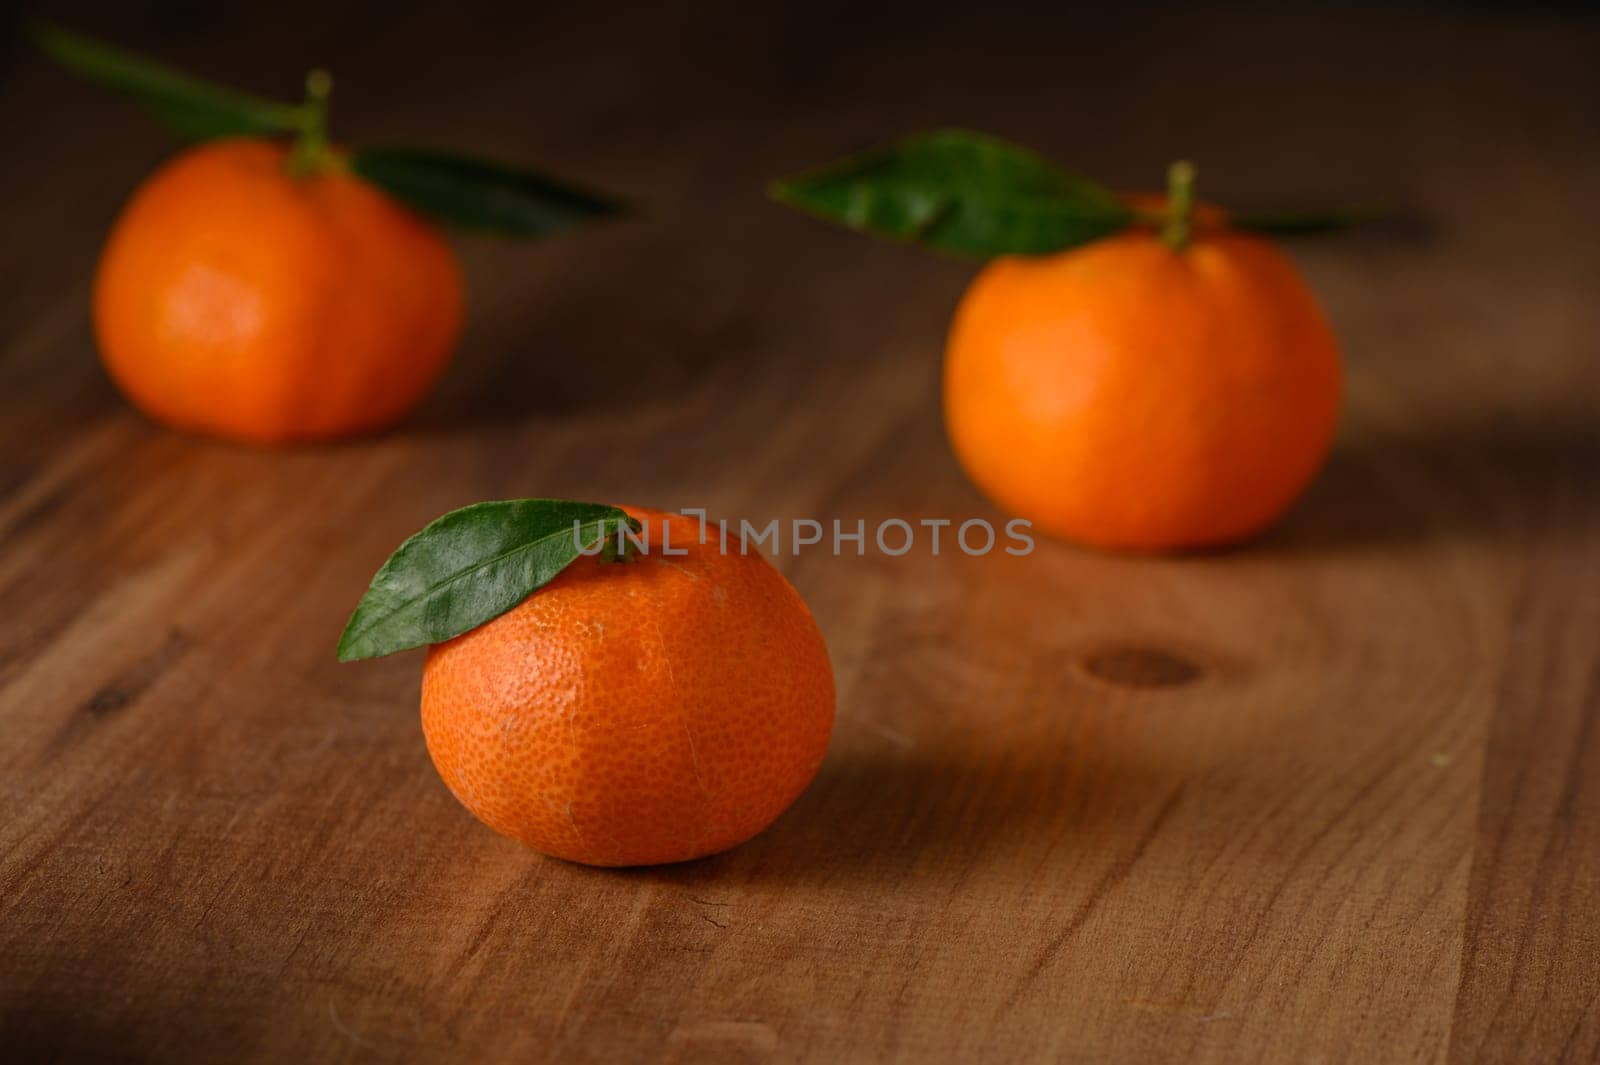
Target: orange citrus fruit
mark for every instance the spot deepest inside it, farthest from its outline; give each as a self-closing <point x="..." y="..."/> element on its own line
<point x="235" y="299"/>
<point x="639" y="712"/>
<point x="1127" y="394"/>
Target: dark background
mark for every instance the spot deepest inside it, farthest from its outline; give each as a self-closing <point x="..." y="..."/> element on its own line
<point x="689" y="109"/>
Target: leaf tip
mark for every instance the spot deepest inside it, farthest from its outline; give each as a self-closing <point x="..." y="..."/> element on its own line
<point x="347" y="650"/>
<point x="48" y="37"/>
<point x="783" y="190"/>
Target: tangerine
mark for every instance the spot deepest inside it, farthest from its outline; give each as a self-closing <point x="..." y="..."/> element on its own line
<point x="635" y="713"/>
<point x="1130" y="394"/>
<point x="238" y="299"/>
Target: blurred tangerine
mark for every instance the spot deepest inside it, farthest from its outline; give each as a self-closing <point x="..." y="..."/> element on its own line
<point x="238" y="299"/>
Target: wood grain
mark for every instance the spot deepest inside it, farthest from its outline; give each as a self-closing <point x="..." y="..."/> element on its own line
<point x="1333" y="796"/>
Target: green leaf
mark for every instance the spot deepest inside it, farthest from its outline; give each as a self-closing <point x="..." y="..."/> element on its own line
<point x="479" y="194"/>
<point x="469" y="567"/>
<point x="1306" y="223"/>
<point x="194" y="109"/>
<point x="960" y="192"/>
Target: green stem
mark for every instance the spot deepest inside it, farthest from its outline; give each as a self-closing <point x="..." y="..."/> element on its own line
<point x="618" y="547"/>
<point x="1178" y="227"/>
<point x="311" y="146"/>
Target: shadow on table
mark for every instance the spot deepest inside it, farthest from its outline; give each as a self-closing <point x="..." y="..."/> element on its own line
<point x="1455" y="480"/>
<point x="617" y="320"/>
<point x="40" y="1032"/>
<point x="587" y="354"/>
<point x="880" y="814"/>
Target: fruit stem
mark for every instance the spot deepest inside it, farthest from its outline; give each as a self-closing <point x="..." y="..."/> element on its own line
<point x="1177" y="229"/>
<point x="618" y="547"/>
<point x="311" y="146"/>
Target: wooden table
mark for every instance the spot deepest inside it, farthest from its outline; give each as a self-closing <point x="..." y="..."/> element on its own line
<point x="1331" y="796"/>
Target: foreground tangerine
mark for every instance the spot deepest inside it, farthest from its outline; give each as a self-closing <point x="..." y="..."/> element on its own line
<point x="1131" y="394"/>
<point x="636" y="713"/>
<point x="239" y="299"/>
